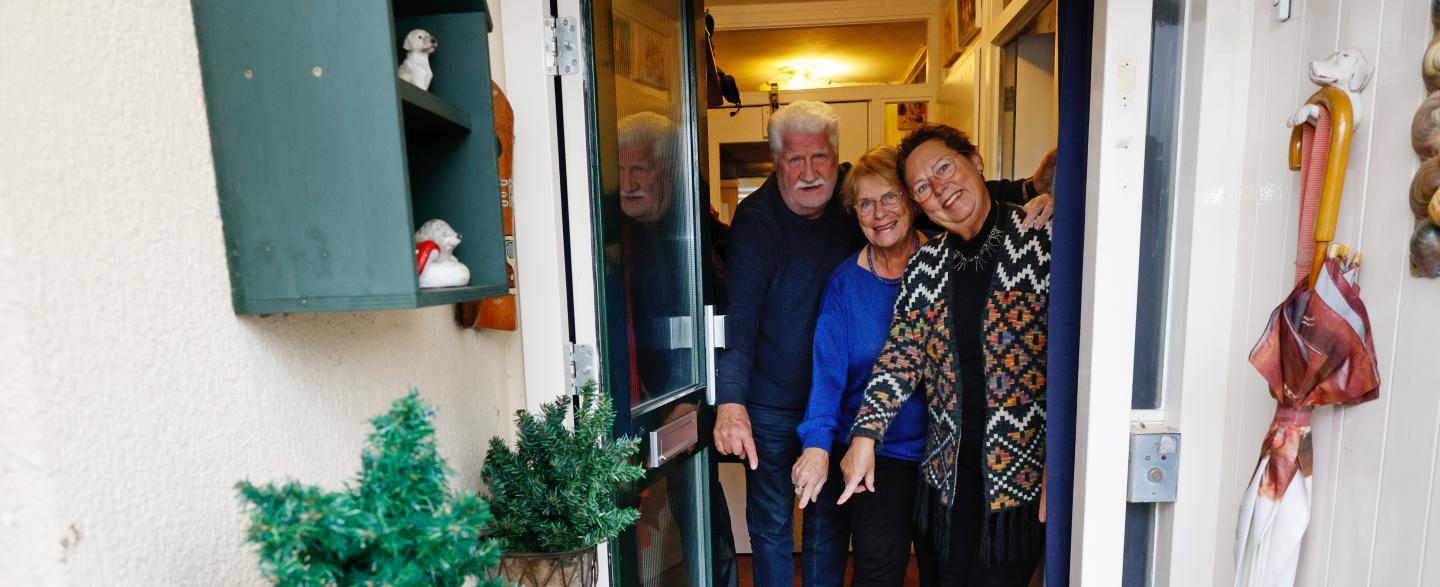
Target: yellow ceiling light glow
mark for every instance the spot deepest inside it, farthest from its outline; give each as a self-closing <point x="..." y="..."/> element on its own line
<point x="798" y="77"/>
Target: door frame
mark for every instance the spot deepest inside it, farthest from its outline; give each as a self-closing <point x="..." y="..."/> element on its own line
<point x="1192" y="535"/>
<point x="577" y="257"/>
<point x="1120" y="72"/>
<point x="1189" y="546"/>
<point x="581" y="256"/>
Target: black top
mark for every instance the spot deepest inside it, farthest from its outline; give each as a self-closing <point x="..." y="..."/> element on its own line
<point x="967" y="315"/>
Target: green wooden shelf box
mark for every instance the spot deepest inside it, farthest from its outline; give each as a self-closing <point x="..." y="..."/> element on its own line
<point x="327" y="162"/>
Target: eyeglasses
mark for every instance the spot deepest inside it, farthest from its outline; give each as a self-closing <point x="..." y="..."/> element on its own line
<point x="889" y="201"/>
<point x="944" y="169"/>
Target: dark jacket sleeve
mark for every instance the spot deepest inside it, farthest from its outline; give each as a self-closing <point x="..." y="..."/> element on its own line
<point x="749" y="267"/>
<point x="1008" y="190"/>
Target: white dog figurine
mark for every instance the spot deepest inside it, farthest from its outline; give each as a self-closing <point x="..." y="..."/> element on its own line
<point x="418" y="46"/>
<point x="1347" y="70"/>
<point x="442" y="269"/>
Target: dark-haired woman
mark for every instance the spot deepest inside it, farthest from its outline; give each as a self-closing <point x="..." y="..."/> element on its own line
<point x="969" y="328"/>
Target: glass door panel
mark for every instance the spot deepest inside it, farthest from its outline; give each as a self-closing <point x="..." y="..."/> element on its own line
<point x="650" y="217"/>
<point x="648" y="206"/>
<point x="670" y="552"/>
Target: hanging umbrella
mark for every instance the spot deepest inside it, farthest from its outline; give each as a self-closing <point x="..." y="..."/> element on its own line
<point x="1316" y="350"/>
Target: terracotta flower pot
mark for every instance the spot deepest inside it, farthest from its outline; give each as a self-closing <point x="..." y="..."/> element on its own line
<point x="576" y="568"/>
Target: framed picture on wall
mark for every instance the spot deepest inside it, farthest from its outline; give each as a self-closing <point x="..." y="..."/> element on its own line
<point x="910" y="115"/>
<point x="650" y="55"/>
<point x="622" y="46"/>
<point x="966" y="28"/>
<point x="949" y="33"/>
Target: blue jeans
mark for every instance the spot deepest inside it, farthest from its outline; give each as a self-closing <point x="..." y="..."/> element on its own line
<point x="770" y="503"/>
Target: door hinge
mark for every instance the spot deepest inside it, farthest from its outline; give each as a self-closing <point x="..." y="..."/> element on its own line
<point x="562" y="46"/>
<point x="584" y="365"/>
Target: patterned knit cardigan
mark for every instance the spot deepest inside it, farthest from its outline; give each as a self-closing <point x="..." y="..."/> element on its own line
<point x="920" y="352"/>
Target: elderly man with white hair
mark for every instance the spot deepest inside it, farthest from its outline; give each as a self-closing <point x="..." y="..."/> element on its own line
<point x="787" y="237"/>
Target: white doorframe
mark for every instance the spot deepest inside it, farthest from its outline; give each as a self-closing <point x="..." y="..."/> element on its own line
<point x="1210" y="169"/>
<point x="539" y="214"/>
<point x="545" y="330"/>
<point x="1202" y="336"/>
<point x="577" y="183"/>
<point x="1120" y="71"/>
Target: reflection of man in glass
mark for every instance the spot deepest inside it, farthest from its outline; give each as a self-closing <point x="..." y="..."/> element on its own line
<point x="656" y="241"/>
<point x="653" y="240"/>
<point x="647" y="144"/>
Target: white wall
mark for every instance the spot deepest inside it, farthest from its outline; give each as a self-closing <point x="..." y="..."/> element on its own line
<point x="1036" y="116"/>
<point x="1374" y="489"/>
<point x="133" y="398"/>
<point x="968" y="95"/>
<point x="957" y="96"/>
<point x="960" y="95"/>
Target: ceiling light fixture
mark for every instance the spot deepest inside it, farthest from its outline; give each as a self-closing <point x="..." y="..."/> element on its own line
<point x="797" y="77"/>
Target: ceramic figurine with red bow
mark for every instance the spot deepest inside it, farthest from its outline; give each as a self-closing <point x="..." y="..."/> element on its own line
<point x="435" y="260"/>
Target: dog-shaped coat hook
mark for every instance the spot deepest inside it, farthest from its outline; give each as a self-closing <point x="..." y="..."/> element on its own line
<point x="418" y="46"/>
<point x="1346" y="70"/>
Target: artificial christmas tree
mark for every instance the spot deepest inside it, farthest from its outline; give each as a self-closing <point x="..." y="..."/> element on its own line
<point x="399" y="526"/>
<point x="554" y="495"/>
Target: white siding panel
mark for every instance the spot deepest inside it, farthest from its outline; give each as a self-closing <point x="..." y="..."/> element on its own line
<point x="1259" y="290"/>
<point x="1395" y="541"/>
<point x="1319" y="22"/>
<point x="1374" y="516"/>
<point x="1407" y="493"/>
<point x="1352" y="506"/>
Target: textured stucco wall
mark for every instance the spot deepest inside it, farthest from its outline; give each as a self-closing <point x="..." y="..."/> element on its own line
<point x="131" y="396"/>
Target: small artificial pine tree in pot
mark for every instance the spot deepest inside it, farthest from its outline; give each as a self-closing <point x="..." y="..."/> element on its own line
<point x="554" y="496"/>
<point x="399" y="526"/>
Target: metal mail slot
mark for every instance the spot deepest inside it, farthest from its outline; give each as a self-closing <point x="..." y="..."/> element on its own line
<point x="673" y="439"/>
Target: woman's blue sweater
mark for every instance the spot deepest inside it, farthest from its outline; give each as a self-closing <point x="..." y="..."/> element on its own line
<point x="854" y="321"/>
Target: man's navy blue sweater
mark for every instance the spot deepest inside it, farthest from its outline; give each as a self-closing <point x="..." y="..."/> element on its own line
<point x="776" y="269"/>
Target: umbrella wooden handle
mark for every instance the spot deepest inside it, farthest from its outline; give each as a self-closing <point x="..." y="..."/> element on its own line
<point x="1342" y="126"/>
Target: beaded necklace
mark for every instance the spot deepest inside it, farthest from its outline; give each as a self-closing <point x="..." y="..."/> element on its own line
<point x="870" y="260"/>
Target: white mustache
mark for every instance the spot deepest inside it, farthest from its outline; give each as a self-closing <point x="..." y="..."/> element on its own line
<point x="801" y="184"/>
<point x="637" y="194"/>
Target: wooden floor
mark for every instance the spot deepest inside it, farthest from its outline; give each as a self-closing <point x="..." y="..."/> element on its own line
<point x="912" y="575"/>
<point x="746" y="565"/>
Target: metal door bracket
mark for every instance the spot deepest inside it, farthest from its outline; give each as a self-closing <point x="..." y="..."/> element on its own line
<point x="714" y="339"/>
<point x="562" y="46"/>
<point x="584" y="366"/>
<point x="1282" y="10"/>
<point x="1154" y="467"/>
